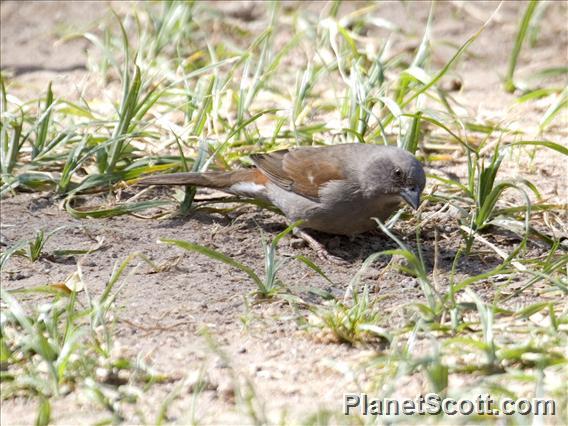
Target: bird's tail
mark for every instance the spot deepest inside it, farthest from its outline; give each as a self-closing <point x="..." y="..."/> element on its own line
<point x="219" y="180"/>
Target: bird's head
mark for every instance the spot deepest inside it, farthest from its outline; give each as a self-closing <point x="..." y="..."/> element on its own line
<point x="399" y="173"/>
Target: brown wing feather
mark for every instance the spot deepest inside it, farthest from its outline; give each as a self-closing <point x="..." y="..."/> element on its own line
<point x="272" y="166"/>
<point x="303" y="170"/>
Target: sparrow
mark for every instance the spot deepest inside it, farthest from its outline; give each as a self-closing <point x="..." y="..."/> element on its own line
<point x="334" y="189"/>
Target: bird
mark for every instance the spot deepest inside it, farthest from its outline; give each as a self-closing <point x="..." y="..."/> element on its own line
<point x="334" y="189"/>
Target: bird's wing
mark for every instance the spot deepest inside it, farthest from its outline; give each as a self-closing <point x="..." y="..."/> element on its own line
<point x="303" y="171"/>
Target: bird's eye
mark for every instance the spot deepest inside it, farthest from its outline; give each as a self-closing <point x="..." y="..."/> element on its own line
<point x="398" y="172"/>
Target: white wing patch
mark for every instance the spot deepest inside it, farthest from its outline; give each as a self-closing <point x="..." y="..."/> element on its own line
<point x="247" y="188"/>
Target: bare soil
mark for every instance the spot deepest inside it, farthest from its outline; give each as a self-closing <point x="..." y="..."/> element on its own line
<point x="161" y="316"/>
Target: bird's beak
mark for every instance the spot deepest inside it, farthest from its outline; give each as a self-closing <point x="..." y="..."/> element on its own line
<point x="411" y="196"/>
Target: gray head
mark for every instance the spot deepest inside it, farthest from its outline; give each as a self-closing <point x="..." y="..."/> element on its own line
<point x="399" y="173"/>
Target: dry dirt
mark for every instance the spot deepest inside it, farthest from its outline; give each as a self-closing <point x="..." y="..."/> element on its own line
<point x="161" y="315"/>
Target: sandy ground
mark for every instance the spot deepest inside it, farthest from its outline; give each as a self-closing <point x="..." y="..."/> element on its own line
<point x="161" y="315"/>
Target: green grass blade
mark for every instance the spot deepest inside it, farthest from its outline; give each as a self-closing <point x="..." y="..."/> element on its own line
<point x="113" y="211"/>
<point x="560" y="104"/>
<point x="43" y="124"/>
<point x="523" y="28"/>
<point x="215" y="255"/>
<point x="314" y="267"/>
<point x="548" y="144"/>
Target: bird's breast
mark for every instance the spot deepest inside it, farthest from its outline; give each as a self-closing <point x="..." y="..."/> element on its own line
<point x="334" y="213"/>
<point x="350" y="217"/>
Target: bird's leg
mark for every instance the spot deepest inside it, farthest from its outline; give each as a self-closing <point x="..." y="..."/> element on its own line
<point x="318" y="247"/>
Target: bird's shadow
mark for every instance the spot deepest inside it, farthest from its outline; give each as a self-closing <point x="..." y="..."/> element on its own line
<point x="352" y="250"/>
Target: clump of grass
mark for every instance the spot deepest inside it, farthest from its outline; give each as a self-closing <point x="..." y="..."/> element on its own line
<point x="62" y="346"/>
<point x="20" y="130"/>
<point x="488" y="350"/>
<point x="354" y="321"/>
<point x="484" y="339"/>
<point x="32" y="249"/>
<point x="483" y="190"/>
